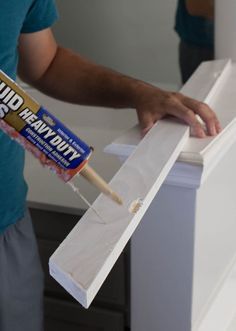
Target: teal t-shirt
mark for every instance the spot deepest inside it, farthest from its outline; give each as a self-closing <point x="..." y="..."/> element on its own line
<point x="193" y="30"/>
<point x="16" y="17"/>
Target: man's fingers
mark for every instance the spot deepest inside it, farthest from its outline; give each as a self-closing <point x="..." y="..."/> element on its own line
<point x="188" y="116"/>
<point x="147" y="120"/>
<point x="186" y="109"/>
<point x="206" y="114"/>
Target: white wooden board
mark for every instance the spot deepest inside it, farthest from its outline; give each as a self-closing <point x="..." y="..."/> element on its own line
<point x="85" y="258"/>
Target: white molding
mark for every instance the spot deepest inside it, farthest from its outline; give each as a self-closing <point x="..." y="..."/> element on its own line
<point x="185" y="175"/>
<point x="221" y="308"/>
<point x="232" y="326"/>
<point x="207" y="80"/>
<point x="86" y="256"/>
<point x="189" y="170"/>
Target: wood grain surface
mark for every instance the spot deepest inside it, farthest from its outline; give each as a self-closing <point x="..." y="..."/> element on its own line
<point x="86" y="256"/>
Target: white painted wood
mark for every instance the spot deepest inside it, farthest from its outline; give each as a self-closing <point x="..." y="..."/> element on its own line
<point x="186" y="246"/>
<point x="86" y="256"/>
<point x="222" y="312"/>
<point x="232" y="326"/>
<point x="186" y="242"/>
<point x="162" y="263"/>
<point x="214" y="236"/>
<point x="207" y="80"/>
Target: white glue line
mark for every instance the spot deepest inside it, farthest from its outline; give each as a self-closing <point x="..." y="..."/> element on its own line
<point x="77" y="191"/>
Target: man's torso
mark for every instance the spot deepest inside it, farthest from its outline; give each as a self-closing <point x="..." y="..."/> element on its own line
<point x="16" y="17"/>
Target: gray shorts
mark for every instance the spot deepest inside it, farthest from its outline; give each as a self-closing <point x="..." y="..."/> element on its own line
<point x="21" y="279"/>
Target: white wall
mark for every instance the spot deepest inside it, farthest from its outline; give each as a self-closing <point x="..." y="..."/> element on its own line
<point x="225" y="45"/>
<point x="135" y="37"/>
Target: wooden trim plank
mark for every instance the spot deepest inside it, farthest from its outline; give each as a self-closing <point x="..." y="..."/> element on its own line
<point x="85" y="258"/>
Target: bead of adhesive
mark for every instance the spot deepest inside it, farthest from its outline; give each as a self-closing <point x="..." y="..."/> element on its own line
<point x="135" y="206"/>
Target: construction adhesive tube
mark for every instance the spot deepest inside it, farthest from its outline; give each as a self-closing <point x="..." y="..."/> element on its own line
<point x="42" y="134"/>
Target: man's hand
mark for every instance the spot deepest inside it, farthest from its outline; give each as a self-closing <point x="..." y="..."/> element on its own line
<point x="153" y="104"/>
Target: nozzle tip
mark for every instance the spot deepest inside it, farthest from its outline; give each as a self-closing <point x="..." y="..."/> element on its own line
<point x="115" y="197"/>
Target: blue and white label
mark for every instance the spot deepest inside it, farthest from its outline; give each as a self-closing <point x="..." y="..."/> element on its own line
<point x="52" y="138"/>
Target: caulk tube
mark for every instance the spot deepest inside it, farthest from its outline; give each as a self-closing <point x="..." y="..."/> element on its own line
<point x="48" y="139"/>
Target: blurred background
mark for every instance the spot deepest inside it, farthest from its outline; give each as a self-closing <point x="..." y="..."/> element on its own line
<point x="135" y="37"/>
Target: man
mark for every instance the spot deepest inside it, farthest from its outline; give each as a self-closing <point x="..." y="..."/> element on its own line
<point x="195" y="27"/>
<point x="27" y="45"/>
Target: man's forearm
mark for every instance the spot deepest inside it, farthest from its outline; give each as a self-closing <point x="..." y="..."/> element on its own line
<point x="68" y="76"/>
<point x="204" y="8"/>
<point x="74" y="79"/>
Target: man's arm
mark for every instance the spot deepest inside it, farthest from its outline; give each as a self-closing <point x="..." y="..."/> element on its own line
<point x="67" y="76"/>
<point x="203" y="8"/>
